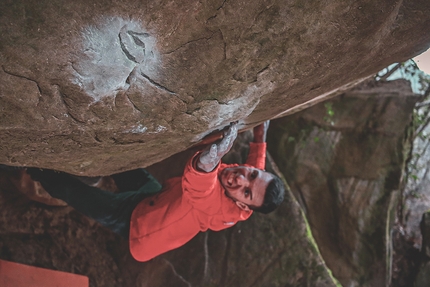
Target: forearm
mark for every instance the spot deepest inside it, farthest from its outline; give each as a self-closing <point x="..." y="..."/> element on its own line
<point x="257" y="151"/>
<point x="196" y="183"/>
<point x="257" y="155"/>
<point x="260" y="132"/>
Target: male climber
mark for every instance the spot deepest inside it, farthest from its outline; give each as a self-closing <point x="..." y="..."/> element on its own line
<point x="209" y="195"/>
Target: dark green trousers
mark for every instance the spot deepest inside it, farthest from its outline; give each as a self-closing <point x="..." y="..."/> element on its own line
<point x="113" y="210"/>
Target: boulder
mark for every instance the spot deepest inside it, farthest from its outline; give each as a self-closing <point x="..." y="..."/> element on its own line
<point x="94" y="87"/>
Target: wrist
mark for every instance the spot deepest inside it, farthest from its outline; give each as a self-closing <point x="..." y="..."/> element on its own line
<point x="203" y="166"/>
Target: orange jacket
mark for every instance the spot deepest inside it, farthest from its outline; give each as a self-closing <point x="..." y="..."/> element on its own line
<point x="186" y="205"/>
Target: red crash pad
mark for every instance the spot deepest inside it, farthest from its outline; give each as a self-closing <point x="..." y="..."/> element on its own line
<point x="19" y="275"/>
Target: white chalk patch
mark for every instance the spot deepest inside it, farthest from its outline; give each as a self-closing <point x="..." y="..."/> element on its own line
<point x="85" y="164"/>
<point x="160" y="129"/>
<point x="112" y="50"/>
<point x="218" y="115"/>
<point x="140" y="129"/>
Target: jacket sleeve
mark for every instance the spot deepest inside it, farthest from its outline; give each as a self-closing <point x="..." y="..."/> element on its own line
<point x="198" y="186"/>
<point x="257" y="155"/>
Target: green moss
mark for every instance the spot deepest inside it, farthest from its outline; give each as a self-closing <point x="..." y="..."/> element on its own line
<point x="316" y="249"/>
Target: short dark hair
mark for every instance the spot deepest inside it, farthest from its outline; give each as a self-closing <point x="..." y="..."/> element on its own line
<point x="274" y="196"/>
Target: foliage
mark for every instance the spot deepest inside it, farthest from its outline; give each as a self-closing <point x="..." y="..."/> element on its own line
<point x="329" y="113"/>
<point x="408" y="70"/>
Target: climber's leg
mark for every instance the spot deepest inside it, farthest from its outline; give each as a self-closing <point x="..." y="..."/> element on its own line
<point x="112" y="210"/>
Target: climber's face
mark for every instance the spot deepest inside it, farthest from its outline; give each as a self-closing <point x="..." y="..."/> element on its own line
<point x="245" y="185"/>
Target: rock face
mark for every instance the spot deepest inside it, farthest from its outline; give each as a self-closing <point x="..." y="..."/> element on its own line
<point x="96" y="87"/>
<point x="344" y="161"/>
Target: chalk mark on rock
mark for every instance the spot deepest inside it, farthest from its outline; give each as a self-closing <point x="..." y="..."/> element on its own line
<point x="132" y="45"/>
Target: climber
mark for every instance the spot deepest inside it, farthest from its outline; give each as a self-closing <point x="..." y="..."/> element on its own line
<point x="155" y="219"/>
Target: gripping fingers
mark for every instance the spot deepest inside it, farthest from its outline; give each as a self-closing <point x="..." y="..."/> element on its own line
<point x="223" y="145"/>
<point x="210" y="157"/>
<point x="213" y="151"/>
<point x="227" y="142"/>
<point x="231" y="131"/>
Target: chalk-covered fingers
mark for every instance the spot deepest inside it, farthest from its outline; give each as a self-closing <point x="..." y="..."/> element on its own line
<point x="211" y="156"/>
<point x="227" y="142"/>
